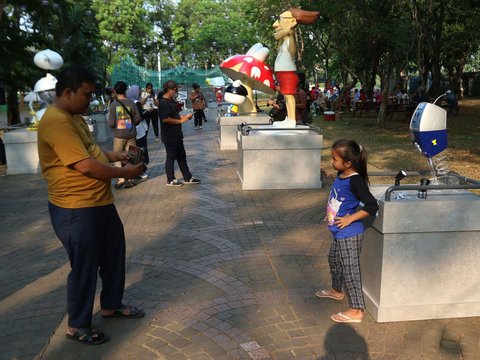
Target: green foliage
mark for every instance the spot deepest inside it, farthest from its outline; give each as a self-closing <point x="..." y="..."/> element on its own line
<point x="351" y="39"/>
<point x="65" y="26"/>
<point x="460" y="41"/>
<point x="206" y="32"/>
<point x="124" y="27"/>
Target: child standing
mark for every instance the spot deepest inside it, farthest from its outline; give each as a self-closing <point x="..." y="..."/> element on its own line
<point x="344" y="221"/>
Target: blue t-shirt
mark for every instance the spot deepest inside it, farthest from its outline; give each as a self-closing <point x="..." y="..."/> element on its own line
<point x="345" y="196"/>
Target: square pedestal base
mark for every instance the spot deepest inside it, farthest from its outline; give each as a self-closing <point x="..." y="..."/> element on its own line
<point x="420" y="258"/>
<point x="276" y="161"/>
<point x="228" y="128"/>
<point x="21" y="152"/>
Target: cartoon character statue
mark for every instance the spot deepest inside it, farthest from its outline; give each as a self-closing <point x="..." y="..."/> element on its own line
<point x="219" y="95"/>
<point x="254" y="73"/>
<point x="45" y="87"/>
<point x="235" y="94"/>
<point x="217" y="84"/>
<point x="285" y="68"/>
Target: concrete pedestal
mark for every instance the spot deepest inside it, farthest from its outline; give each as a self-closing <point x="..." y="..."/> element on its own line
<point x="228" y="128"/>
<point x="282" y="159"/>
<point x="103" y="132"/>
<point x="21" y="152"/>
<point x="420" y="257"/>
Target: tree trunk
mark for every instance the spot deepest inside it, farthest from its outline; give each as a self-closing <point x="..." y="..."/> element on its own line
<point x="420" y="38"/>
<point x="455" y="81"/>
<point x="385" y="84"/>
<point x="13" y="110"/>
<point x="437" y="46"/>
<point x="382" y="113"/>
<point x="3" y="3"/>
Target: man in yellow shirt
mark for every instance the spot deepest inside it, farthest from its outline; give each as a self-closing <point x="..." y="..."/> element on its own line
<point x="80" y="201"/>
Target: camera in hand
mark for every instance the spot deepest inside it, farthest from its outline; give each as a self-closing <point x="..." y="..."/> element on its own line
<point x="135" y="155"/>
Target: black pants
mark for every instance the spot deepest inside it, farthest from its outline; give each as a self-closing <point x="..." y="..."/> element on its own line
<point x="199" y="116"/>
<point x="95" y="243"/>
<point x="152" y="116"/>
<point x="142" y="142"/>
<point x="176" y="151"/>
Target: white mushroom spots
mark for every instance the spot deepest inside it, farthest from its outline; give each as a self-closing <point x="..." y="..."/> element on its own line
<point x="255" y="72"/>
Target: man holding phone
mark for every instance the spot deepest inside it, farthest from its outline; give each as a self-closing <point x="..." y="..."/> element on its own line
<point x="81" y="206"/>
<point x="172" y="135"/>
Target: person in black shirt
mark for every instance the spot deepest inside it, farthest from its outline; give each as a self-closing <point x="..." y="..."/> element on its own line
<point x="279" y="109"/>
<point x="172" y="135"/>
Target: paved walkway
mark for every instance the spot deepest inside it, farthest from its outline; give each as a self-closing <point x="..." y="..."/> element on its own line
<point x="222" y="273"/>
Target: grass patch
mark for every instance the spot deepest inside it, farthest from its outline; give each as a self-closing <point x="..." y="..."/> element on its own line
<point x="391" y="149"/>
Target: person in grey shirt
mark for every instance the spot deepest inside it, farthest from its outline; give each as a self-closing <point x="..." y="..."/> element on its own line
<point x="123" y="118"/>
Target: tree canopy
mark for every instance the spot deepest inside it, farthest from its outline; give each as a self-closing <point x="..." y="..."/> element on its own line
<point x="352" y="39"/>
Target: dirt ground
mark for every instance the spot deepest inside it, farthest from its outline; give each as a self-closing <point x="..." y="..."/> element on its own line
<point x="390" y="147"/>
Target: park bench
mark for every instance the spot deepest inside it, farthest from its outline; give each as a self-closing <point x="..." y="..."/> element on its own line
<point x="449" y="110"/>
<point x="395" y="108"/>
<point x="361" y="106"/>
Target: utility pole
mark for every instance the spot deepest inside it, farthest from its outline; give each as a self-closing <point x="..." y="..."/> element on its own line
<point x="159" y="68"/>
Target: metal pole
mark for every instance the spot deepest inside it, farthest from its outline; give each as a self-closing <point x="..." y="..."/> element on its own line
<point x="159" y="67"/>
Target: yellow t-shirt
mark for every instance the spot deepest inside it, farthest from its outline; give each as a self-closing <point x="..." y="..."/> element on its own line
<point x="63" y="140"/>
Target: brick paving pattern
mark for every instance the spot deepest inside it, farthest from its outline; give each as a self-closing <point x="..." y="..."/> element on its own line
<point x="222" y="274"/>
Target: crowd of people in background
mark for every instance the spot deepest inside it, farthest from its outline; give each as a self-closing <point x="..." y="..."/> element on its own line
<point x="131" y="111"/>
<point x="135" y="110"/>
<point x="331" y="98"/>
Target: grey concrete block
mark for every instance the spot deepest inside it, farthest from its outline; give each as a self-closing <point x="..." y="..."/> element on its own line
<point x="279" y="161"/>
<point x="416" y="254"/>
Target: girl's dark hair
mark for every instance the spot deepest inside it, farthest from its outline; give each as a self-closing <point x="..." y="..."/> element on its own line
<point x="349" y="150"/>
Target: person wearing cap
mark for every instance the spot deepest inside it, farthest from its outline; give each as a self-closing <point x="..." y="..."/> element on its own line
<point x="172" y="136"/>
<point x="198" y="105"/>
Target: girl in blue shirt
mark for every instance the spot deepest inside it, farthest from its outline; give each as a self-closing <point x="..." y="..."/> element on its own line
<point x="344" y="222"/>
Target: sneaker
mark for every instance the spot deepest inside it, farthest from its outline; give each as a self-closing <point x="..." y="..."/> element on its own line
<point x="129" y="184"/>
<point x="201" y="127"/>
<point x="196" y="127"/>
<point x="175" y="183"/>
<point x="120" y="183"/>
<point x="156" y="139"/>
<point x="193" y="181"/>
<point x="140" y="179"/>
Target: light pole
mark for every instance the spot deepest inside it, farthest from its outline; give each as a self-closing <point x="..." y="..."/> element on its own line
<point x="159" y="68"/>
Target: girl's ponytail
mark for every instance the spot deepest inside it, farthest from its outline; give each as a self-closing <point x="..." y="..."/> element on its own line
<point x="361" y="163"/>
<point x="349" y="150"/>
